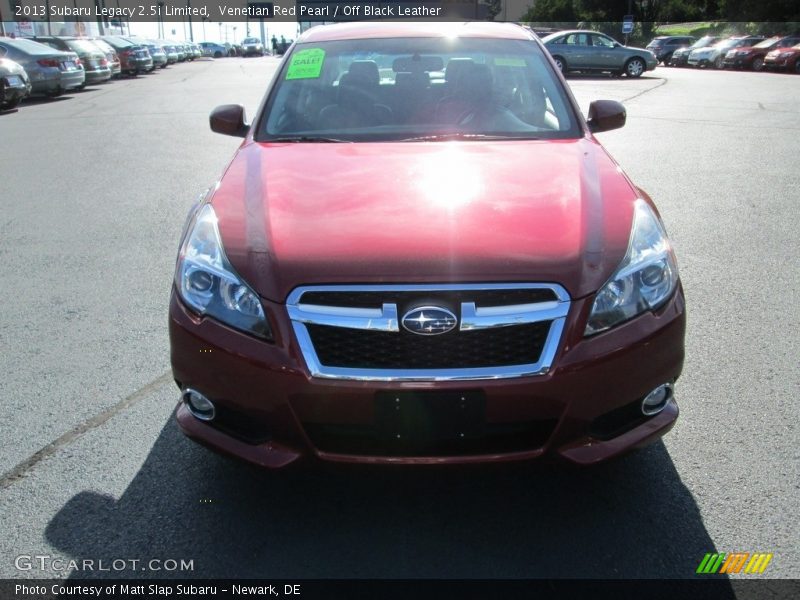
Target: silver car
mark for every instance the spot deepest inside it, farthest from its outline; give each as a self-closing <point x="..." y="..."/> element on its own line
<point x="252" y="47"/>
<point x="51" y="72"/>
<point x="581" y="50"/>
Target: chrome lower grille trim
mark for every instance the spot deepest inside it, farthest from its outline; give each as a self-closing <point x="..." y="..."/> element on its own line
<point x="385" y="319"/>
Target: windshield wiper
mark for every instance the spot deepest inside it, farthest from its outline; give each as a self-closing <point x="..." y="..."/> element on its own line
<point x="308" y="138"/>
<point x="464" y="136"/>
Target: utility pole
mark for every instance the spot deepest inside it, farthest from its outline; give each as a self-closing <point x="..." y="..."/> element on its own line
<point x="191" y="33"/>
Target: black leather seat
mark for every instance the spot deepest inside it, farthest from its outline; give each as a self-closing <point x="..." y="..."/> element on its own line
<point x="357" y="100"/>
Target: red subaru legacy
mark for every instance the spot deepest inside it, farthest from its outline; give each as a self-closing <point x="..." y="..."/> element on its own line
<point x="420" y="254"/>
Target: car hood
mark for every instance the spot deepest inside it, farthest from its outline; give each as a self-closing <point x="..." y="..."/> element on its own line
<point x="532" y="211"/>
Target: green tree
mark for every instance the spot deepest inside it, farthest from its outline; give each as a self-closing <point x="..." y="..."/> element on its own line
<point x="552" y="11"/>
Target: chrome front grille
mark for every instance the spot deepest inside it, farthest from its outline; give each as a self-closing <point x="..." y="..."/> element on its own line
<point x="355" y="332"/>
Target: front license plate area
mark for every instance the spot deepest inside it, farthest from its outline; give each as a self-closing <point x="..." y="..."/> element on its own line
<point x="416" y="421"/>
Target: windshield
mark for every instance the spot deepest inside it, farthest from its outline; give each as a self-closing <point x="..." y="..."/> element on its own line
<point x="82" y="46"/>
<point x="251" y="41"/>
<point x="727" y="44"/>
<point x="766" y="43"/>
<point x="703" y="42"/>
<point x="412" y="88"/>
<point x="28" y="46"/>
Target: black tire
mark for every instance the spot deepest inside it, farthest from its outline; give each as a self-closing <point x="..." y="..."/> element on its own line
<point x="561" y="64"/>
<point x="9" y="104"/>
<point x="757" y="64"/>
<point x="217" y="54"/>
<point x="666" y="59"/>
<point x="796" y="67"/>
<point x="635" y="67"/>
<point x="719" y="62"/>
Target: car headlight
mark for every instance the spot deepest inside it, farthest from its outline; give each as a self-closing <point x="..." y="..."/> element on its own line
<point x="645" y="279"/>
<point x="207" y="282"/>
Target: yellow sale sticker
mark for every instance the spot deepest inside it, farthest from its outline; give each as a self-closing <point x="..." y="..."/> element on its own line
<point x="306" y="64"/>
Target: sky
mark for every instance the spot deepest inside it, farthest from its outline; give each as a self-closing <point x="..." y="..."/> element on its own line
<point x="213" y="31"/>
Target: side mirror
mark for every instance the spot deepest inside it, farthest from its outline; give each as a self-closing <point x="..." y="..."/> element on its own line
<point x="228" y="119"/>
<point x="605" y="115"/>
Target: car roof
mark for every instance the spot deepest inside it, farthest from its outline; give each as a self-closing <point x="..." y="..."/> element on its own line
<point x="379" y="29"/>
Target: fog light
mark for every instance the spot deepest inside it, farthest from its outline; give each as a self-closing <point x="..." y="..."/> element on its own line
<point x="656" y="400"/>
<point x="200" y="406"/>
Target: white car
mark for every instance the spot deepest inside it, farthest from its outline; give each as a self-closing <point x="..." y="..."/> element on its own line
<point x="714" y="56"/>
<point x="252" y="46"/>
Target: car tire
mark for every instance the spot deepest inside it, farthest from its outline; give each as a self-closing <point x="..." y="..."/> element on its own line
<point x="666" y="59"/>
<point x="757" y="64"/>
<point x="796" y="67"/>
<point x="9" y="104"/>
<point x="217" y="54"/>
<point x="719" y="62"/>
<point x="561" y="64"/>
<point x="635" y="67"/>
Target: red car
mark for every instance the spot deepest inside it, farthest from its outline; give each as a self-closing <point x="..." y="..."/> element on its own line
<point x="754" y="57"/>
<point x="784" y="59"/>
<point x="420" y="254"/>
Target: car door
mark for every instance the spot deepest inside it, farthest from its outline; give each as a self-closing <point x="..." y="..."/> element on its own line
<point x="605" y="53"/>
<point x="577" y="50"/>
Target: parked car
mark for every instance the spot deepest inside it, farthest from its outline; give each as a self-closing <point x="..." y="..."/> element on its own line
<point x="213" y="49"/>
<point x="753" y="57"/>
<point x="784" y="59"/>
<point x="134" y="57"/>
<point x="51" y="72"/>
<point x="252" y="47"/>
<point x="663" y="46"/>
<point x="111" y="56"/>
<point x="172" y="53"/>
<point x="196" y="51"/>
<point x="14" y="84"/>
<point x="680" y="57"/>
<point x="187" y="51"/>
<point x="580" y="50"/>
<point x="157" y="53"/>
<point x="478" y="309"/>
<point x="92" y="58"/>
<point x="714" y="56"/>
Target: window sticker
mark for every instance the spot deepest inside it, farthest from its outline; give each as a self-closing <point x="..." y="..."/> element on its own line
<point x="509" y="62"/>
<point x="306" y="64"/>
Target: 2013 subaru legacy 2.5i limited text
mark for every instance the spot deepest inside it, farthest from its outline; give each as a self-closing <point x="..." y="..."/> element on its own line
<point x="420" y="254"/>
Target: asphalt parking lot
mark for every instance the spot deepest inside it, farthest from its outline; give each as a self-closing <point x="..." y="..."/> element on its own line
<point x="94" y="188"/>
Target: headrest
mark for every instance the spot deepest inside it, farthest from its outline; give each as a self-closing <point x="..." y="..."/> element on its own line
<point x="456" y="66"/>
<point x="365" y="71"/>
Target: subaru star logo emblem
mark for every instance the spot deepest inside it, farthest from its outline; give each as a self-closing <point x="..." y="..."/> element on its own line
<point x="429" y="320"/>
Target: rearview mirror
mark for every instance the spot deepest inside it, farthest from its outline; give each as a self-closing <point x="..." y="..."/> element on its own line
<point x="605" y="115"/>
<point x="229" y="119"/>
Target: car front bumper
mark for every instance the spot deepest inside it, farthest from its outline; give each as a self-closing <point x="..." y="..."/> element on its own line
<point x="738" y="63"/>
<point x="778" y="63"/>
<point x="272" y="412"/>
